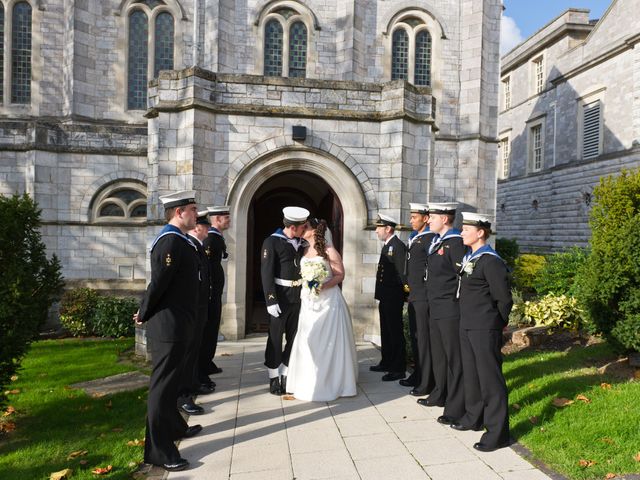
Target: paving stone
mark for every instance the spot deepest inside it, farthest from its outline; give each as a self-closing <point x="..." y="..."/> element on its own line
<point x="531" y="474"/>
<point x="320" y="465"/>
<point x="475" y="470"/>
<point x="375" y="446"/>
<point x="400" y="467"/>
<point x="439" y="451"/>
<point x="362" y="425"/>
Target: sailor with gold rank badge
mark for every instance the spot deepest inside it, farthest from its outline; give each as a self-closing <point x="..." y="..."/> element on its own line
<point x="280" y="271"/>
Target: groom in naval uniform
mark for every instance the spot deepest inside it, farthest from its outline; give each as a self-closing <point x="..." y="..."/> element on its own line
<point x="390" y="282"/>
<point x="280" y="270"/>
<point x="422" y="377"/>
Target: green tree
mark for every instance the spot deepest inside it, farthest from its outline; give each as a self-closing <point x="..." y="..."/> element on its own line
<point x="29" y="283"/>
<point x="608" y="285"/>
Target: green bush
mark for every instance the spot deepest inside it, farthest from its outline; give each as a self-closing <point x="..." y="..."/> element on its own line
<point x="526" y="273"/>
<point x="84" y="311"/>
<point x="516" y="316"/>
<point x="559" y="272"/>
<point x="555" y="312"/>
<point x="609" y="283"/>
<point x="77" y="309"/>
<point x="508" y="249"/>
<point x="112" y="317"/>
<point x="30" y="282"/>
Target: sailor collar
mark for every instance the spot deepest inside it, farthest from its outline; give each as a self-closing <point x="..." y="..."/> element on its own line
<point x="438" y="240"/>
<point x="215" y="231"/>
<point x="169" y="229"/>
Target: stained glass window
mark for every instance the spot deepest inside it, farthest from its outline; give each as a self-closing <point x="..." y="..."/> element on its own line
<point x="1" y="53"/>
<point x="21" y="53"/>
<point x="423" y="59"/>
<point x="400" y="55"/>
<point x="298" y="50"/>
<point x="163" y="43"/>
<point x="273" y="49"/>
<point x="138" y="60"/>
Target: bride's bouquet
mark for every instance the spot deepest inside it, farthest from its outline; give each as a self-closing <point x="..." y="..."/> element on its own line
<point x="313" y="274"/>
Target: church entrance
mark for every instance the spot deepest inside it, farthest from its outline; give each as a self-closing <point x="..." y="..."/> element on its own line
<point x="294" y="188"/>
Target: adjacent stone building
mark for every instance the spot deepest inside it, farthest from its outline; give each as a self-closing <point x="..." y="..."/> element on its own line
<point x="348" y="108"/>
<point x="569" y="114"/>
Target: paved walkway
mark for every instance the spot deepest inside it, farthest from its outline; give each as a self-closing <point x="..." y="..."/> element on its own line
<point x="382" y="433"/>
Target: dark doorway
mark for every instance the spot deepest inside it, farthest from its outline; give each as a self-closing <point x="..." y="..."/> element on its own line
<point x="299" y="189"/>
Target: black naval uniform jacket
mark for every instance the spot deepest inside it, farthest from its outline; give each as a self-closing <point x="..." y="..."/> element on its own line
<point x="204" y="293"/>
<point x="443" y="265"/>
<point x="216" y="249"/>
<point x="280" y="259"/>
<point x="485" y="295"/>
<point x="417" y="266"/>
<point x="171" y="300"/>
<point x="390" y="278"/>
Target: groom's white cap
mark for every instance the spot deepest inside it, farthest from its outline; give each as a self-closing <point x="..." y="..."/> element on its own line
<point x="420" y="208"/>
<point x="443" y="208"/>
<point x="295" y="214"/>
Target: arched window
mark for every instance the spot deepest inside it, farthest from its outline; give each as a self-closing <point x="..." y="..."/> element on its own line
<point x="21" y="53"/>
<point x="400" y="55"/>
<point x="163" y="43"/>
<point x="151" y="47"/>
<point x="273" y="49"/>
<point x="298" y="50"/>
<point x="124" y="201"/>
<point x="423" y="59"/>
<point x="1" y="53"/>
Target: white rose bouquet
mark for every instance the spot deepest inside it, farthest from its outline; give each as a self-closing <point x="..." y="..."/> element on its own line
<point x="313" y="274"/>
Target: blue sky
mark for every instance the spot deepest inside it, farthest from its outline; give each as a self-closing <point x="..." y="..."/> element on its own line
<point x="523" y="17"/>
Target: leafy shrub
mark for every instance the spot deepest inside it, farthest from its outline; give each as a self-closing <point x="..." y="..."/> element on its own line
<point x="508" y="249"/>
<point x="516" y="316"/>
<point x="112" y="317"/>
<point x="559" y="271"/>
<point x="554" y="312"/>
<point x="527" y="270"/>
<point x="609" y="283"/>
<point x="77" y="309"/>
<point x="30" y="282"/>
<point x="84" y="311"/>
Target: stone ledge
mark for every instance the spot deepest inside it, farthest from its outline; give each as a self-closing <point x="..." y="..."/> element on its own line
<point x="123" y="382"/>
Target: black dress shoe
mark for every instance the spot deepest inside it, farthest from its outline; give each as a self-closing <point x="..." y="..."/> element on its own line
<point x="481" y="447"/>
<point x="192" y="431"/>
<point x="283" y="385"/>
<point x="446" y="420"/>
<point x="416" y="393"/>
<point x="425" y="402"/>
<point x="274" y="386"/>
<point x="463" y="428"/>
<point x="214" y="369"/>
<point x="391" y="376"/>
<point x="181" y="464"/>
<point x="408" y="382"/>
<point x="378" y="368"/>
<point x="205" y="389"/>
<point x="191" y="408"/>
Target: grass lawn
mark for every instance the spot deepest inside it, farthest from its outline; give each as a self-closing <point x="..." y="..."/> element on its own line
<point x="588" y="438"/>
<point x="53" y="420"/>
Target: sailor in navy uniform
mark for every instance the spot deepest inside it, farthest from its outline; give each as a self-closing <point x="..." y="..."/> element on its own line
<point x="390" y="291"/>
<point x="169" y="307"/>
<point x="422" y="377"/>
<point x="191" y="384"/>
<point x="280" y="271"/>
<point x="485" y="304"/>
<point x="216" y="250"/>
<point x="443" y="262"/>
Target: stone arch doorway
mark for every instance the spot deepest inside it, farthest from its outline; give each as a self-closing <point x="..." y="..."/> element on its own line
<point x="297" y="188"/>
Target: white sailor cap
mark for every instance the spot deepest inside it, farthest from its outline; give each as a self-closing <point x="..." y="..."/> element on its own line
<point x="385" y="221"/>
<point x="295" y="214"/>
<point x="419" y="208"/>
<point x="203" y="218"/>
<point x="219" y="210"/>
<point x="476" y="219"/>
<point x="443" y="208"/>
<point x="178" y="199"/>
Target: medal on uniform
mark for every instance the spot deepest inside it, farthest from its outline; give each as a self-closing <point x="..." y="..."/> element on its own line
<point x="391" y="250"/>
<point x="167" y="260"/>
<point x="207" y="251"/>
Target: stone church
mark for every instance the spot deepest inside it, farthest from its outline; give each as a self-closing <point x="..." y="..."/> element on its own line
<point x="345" y="107"/>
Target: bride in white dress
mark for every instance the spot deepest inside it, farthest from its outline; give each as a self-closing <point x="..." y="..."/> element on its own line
<point x="323" y="364"/>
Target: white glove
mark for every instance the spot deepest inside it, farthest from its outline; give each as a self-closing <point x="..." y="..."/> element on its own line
<point x="274" y="310"/>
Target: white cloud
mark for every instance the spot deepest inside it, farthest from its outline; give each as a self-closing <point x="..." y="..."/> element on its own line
<point x="510" y="35"/>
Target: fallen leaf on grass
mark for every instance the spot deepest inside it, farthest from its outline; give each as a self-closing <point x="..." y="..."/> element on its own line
<point x="288" y="397"/>
<point x="61" y="475"/>
<point x="584" y="399"/>
<point x="15" y="391"/>
<point x="610" y="475"/>
<point x="534" y="420"/>
<point x="97" y="395"/>
<point x="76" y="454"/>
<point x="102" y="470"/>
<point x="605" y="386"/>
<point x="636" y="457"/>
<point x="586" y="463"/>
<point x="83" y="462"/>
<point x="14" y="378"/>
<point x="10" y="410"/>
<point x="117" y="429"/>
<point x="7" y="427"/>
<point x="135" y="443"/>
<point x="561" y="402"/>
<point x="516" y="406"/>
<point x="607" y="440"/>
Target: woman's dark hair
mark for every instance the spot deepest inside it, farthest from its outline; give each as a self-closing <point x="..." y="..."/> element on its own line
<point x="320" y="227"/>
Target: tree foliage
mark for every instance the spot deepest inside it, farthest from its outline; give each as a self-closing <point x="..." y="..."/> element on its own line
<point x="29" y="284"/>
<point x="559" y="272"/>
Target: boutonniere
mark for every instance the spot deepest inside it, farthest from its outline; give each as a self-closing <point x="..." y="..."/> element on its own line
<point x="441" y="251"/>
<point x="468" y="268"/>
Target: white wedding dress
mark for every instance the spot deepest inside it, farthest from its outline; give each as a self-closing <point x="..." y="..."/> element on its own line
<point x="323" y="364"/>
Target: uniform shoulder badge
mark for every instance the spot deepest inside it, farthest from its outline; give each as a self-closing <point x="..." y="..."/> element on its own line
<point x="265" y="253"/>
<point x="167" y="260"/>
<point x="207" y="251"/>
<point x="390" y="253"/>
